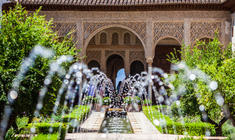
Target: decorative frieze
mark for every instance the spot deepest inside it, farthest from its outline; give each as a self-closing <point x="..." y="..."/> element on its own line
<point x="200" y="30"/>
<point x="168" y="29"/>
<point x="94" y="55"/>
<point x="136" y="55"/>
<point x="111" y="52"/>
<point x="138" y="27"/>
<point x="64" y="28"/>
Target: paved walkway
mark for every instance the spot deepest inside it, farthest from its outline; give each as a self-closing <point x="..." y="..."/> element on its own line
<point x="93" y="123"/>
<point x="100" y="136"/>
<point x="141" y="124"/>
<point x="142" y="127"/>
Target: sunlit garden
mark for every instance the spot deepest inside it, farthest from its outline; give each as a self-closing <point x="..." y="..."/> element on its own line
<point x="46" y="92"/>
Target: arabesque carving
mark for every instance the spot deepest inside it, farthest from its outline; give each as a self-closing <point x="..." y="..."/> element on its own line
<point x="199" y="30"/>
<point x="138" y="27"/>
<point x="168" y="29"/>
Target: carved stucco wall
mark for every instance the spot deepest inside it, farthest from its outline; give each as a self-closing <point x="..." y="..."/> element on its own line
<point x="137" y="55"/>
<point x="108" y="53"/>
<point x="90" y="28"/>
<point x="180" y="25"/>
<point x="64" y="28"/>
<point x="168" y="29"/>
<point x="93" y="55"/>
<point x="200" y="30"/>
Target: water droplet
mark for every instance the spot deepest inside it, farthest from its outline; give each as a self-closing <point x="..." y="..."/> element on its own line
<point x="181" y="66"/>
<point x="165" y="75"/>
<point x="33" y="130"/>
<point x="162" y="122"/>
<point x="47" y="81"/>
<point x="213" y="85"/>
<point x="171" y="86"/>
<point x="192" y="77"/>
<point x="75" y="66"/>
<point x="204" y="116"/>
<point x="160" y="99"/>
<point x="67" y="76"/>
<point x="74" y="123"/>
<point x="160" y="83"/>
<point x="50" y="130"/>
<point x="13" y="95"/>
<point x="156" y="122"/>
<point x="78" y="74"/>
<point x="219" y="100"/>
<point x="39" y="106"/>
<point x="177" y="103"/>
<point x="66" y="81"/>
<point x="202" y="108"/>
<point x="208" y="133"/>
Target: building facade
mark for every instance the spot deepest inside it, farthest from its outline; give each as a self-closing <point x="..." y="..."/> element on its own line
<point x="136" y="34"/>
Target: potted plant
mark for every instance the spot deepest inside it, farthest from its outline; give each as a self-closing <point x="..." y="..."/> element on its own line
<point x="106" y="102"/>
<point x="97" y="104"/>
<point x="137" y="100"/>
<point x="147" y="102"/>
<point x="90" y="100"/>
<point x="128" y="101"/>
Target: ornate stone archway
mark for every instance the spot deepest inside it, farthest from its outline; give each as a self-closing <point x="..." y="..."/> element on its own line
<point x="114" y="63"/>
<point x="90" y="29"/>
<point x="163" y="48"/>
<point x="102" y="51"/>
<point x="168" y="29"/>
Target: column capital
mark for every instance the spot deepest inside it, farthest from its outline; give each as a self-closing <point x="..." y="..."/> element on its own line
<point x="149" y="60"/>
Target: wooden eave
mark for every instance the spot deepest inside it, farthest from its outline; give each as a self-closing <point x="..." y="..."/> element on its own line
<point x="156" y="7"/>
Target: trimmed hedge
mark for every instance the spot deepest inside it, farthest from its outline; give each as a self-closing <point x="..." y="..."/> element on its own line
<point x="191" y="138"/>
<point x="46" y="137"/>
<point x="106" y="101"/>
<point x="79" y="113"/>
<point x="44" y="128"/>
<point x="193" y="129"/>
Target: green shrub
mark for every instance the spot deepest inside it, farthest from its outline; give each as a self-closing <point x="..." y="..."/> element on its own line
<point x="89" y="100"/>
<point x="174" y="109"/>
<point x="137" y="100"/>
<point x="147" y="102"/>
<point x="10" y="135"/>
<point x="128" y="100"/>
<point x="228" y="131"/>
<point x="20" y="32"/>
<point x="44" y="128"/>
<point x="193" y="129"/>
<point x="191" y="138"/>
<point x="46" y="137"/>
<point x="21" y="122"/>
<point x="79" y="113"/>
<point x="106" y="101"/>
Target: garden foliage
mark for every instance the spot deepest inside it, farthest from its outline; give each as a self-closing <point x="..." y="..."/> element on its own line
<point x="20" y="32"/>
<point x="217" y="62"/>
<point x="168" y="126"/>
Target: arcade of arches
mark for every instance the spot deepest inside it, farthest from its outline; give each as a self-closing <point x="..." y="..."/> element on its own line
<point x="115" y="48"/>
<point x="140" y="39"/>
<point x="139" y="35"/>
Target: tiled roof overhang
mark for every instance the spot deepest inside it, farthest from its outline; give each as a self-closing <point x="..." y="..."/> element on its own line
<point x="120" y="5"/>
<point x="230" y="4"/>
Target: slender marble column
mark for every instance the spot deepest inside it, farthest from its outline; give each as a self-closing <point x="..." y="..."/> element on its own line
<point x="150" y="62"/>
